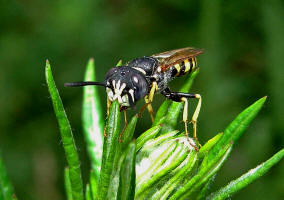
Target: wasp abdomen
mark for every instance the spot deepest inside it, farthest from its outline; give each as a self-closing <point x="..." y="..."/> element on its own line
<point x="185" y="67"/>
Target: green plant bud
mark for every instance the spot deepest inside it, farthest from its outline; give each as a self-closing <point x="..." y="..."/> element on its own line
<point x="161" y="163"/>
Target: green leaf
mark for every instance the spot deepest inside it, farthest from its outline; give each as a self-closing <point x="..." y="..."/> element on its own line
<point x="249" y="177"/>
<point x="178" y="155"/>
<point x="204" y="191"/>
<point x="128" y="132"/>
<point x="6" y="188"/>
<point x="162" y="111"/>
<point x="202" y="177"/>
<point x="111" y="152"/>
<point x="178" y="177"/>
<point x="237" y="127"/>
<point x="67" y="137"/>
<point x="119" y="63"/>
<point x="67" y="183"/>
<point x="209" y="144"/>
<point x="93" y="185"/>
<point x="149" y="134"/>
<point x="175" y="108"/>
<point x="92" y="118"/>
<point x="127" y="174"/>
<point x="88" y="193"/>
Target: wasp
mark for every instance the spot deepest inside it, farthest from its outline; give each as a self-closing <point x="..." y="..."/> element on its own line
<point x="143" y="77"/>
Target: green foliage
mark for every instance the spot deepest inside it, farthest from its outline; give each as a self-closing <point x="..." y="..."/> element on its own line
<point x="243" y="43"/>
<point x="67" y="138"/>
<point x="247" y="178"/>
<point x="92" y="119"/>
<point x="161" y="164"/>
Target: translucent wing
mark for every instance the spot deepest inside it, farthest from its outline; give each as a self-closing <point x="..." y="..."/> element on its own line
<point x="170" y="58"/>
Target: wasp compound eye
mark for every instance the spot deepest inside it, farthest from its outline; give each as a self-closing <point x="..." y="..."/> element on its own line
<point x="140" y="86"/>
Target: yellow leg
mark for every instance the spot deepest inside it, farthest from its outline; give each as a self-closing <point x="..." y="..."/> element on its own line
<point x="185" y="114"/>
<point x="184" y="119"/>
<point x="108" y="105"/>
<point x="149" y="99"/>
<point x="152" y="91"/>
<point x="125" y="125"/>
<point x="149" y="108"/>
<point x="195" y="115"/>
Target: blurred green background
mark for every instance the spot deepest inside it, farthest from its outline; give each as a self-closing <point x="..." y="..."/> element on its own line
<point x="243" y="61"/>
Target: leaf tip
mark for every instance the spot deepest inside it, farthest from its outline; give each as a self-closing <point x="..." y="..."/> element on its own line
<point x="262" y="100"/>
<point x="119" y="63"/>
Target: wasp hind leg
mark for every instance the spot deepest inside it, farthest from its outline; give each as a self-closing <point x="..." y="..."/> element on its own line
<point x="182" y="97"/>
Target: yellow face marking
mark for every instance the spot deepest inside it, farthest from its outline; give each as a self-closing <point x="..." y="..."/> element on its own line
<point x="187" y="65"/>
<point x="177" y="66"/>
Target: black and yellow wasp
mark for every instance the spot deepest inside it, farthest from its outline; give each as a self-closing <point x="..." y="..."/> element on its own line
<point x="143" y="77"/>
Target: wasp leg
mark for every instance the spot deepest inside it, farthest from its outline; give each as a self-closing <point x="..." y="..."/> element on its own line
<point x="182" y="97"/>
<point x="148" y="100"/>
<point x="149" y="108"/>
<point x="108" y="106"/>
<point x="125" y="125"/>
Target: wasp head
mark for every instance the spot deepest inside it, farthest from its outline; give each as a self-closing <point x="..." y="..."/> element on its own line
<point x="125" y="84"/>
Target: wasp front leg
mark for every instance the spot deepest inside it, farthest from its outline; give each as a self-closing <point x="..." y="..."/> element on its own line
<point x="182" y="97"/>
<point x="149" y="99"/>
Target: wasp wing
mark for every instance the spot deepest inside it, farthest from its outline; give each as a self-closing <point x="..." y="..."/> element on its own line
<point x="170" y="58"/>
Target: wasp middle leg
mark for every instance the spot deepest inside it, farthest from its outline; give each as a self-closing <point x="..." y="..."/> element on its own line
<point x="182" y="97"/>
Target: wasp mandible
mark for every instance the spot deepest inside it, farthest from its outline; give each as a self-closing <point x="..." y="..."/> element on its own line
<point x="143" y="77"/>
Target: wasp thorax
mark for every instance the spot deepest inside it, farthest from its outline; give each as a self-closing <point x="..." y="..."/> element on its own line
<point x="126" y="85"/>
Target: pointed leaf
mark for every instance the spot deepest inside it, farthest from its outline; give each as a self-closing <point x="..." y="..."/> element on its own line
<point x="110" y="151"/>
<point x="209" y="144"/>
<point x="238" y="184"/>
<point x="237" y="127"/>
<point x="119" y="63"/>
<point x="202" y="177"/>
<point x="149" y="134"/>
<point x="67" y="137"/>
<point x="92" y="117"/>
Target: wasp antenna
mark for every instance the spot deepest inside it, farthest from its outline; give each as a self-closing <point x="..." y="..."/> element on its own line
<point x="83" y="83"/>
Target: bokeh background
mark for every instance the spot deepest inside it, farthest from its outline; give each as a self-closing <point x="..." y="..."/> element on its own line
<point x="243" y="61"/>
